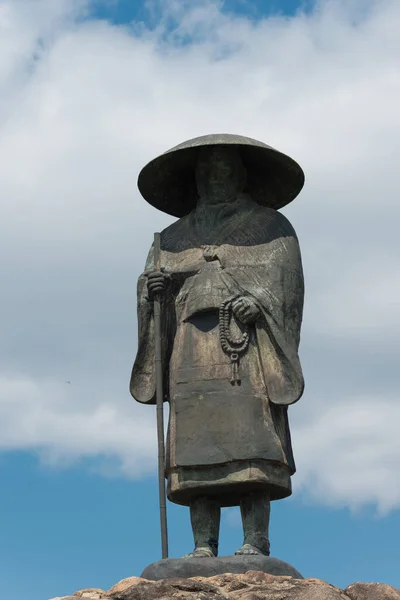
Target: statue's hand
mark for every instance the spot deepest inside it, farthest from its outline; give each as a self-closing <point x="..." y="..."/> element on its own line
<point x="157" y="282"/>
<point x="246" y="309"/>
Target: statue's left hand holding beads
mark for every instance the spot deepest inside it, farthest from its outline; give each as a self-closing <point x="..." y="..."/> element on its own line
<point x="246" y="309"/>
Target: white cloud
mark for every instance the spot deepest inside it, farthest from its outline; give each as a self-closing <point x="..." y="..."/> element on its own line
<point x="348" y="453"/>
<point x="84" y="104"/>
<point x="63" y="425"/>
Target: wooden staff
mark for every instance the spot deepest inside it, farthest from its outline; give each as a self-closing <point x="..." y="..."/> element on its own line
<point x="160" y="403"/>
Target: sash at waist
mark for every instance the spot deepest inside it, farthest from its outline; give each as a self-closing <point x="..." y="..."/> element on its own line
<point x="202" y="292"/>
<point x="202" y="303"/>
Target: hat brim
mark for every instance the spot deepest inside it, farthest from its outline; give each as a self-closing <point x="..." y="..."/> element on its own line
<point x="168" y="182"/>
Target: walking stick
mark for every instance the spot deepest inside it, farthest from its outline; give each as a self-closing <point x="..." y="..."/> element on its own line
<point x="160" y="404"/>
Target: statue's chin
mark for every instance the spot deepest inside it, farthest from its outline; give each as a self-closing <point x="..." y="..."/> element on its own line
<point x="216" y="200"/>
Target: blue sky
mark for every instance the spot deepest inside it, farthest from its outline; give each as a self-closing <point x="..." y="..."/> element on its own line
<point x="66" y="530"/>
<point x="77" y="463"/>
<point x="124" y="11"/>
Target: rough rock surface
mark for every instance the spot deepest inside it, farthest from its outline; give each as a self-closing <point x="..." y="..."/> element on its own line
<point x="253" y="585"/>
<point x="122" y="585"/>
<point x="377" y="591"/>
<point x="90" y="593"/>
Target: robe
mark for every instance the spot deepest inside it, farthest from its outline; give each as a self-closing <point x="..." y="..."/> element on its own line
<point x="225" y="439"/>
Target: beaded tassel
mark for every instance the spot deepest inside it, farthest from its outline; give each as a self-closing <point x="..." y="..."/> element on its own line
<point x="233" y="348"/>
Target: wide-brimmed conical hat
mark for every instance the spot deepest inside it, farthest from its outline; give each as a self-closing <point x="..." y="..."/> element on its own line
<point x="168" y="182"/>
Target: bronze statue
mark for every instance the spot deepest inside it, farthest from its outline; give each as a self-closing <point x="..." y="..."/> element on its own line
<point x="232" y="299"/>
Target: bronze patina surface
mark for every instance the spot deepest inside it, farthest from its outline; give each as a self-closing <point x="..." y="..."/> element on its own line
<point x="232" y="289"/>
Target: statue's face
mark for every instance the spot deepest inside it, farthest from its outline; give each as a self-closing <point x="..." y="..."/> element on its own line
<point x="219" y="173"/>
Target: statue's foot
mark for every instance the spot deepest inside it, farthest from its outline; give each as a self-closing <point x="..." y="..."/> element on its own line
<point x="204" y="552"/>
<point x="249" y="550"/>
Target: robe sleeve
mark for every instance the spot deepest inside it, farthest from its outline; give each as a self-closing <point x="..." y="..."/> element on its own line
<point x="278" y="332"/>
<point x="273" y="276"/>
<point x="143" y="377"/>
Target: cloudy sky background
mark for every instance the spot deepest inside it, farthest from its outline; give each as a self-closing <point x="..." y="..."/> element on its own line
<point x="89" y="92"/>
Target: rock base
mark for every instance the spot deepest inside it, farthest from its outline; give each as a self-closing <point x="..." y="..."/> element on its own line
<point x="252" y="585"/>
<point x="171" y="568"/>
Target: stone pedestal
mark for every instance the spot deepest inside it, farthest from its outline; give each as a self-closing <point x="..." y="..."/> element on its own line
<point x="169" y="568"/>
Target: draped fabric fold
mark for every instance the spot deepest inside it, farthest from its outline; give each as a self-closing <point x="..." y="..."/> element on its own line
<point x="270" y="271"/>
<point x="226" y="435"/>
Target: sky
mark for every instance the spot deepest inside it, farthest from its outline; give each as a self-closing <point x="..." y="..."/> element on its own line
<point x="89" y="92"/>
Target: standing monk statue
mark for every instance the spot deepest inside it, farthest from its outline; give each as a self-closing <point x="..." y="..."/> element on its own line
<point x="232" y="290"/>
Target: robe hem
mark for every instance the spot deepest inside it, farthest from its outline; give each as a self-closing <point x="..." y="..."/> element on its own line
<point x="229" y="482"/>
